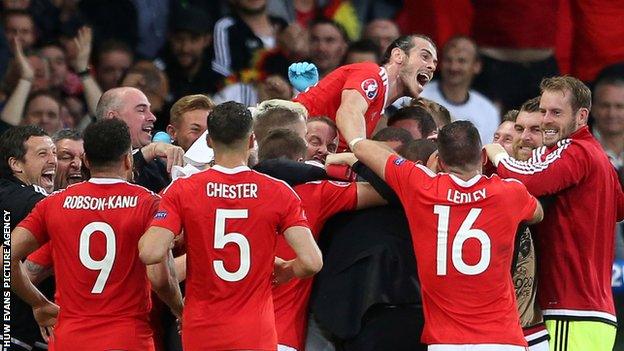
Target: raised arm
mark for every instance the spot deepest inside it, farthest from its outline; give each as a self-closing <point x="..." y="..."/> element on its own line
<point x="15" y="105"/>
<point x="92" y="91"/>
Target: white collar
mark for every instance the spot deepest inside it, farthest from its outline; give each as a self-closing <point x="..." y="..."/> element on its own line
<point x="234" y="170"/>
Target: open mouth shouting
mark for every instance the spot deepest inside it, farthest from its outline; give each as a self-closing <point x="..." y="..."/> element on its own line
<point x="47" y="179"/>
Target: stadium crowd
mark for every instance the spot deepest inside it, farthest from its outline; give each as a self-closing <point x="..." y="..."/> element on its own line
<point x="313" y="174"/>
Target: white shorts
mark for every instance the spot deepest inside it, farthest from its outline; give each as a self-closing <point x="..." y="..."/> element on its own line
<point x="475" y="347"/>
<point x="285" y="348"/>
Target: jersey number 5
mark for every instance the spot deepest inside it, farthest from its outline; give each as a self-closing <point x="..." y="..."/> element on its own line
<point x="221" y="239"/>
<point x="105" y="265"/>
<point x="464" y="233"/>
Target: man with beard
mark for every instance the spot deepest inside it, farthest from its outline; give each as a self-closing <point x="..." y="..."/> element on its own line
<point x="240" y="35"/>
<point x="356" y="95"/>
<point x="528" y="129"/>
<point x="27" y="171"/>
<point x="577" y="234"/>
<point x="189" y="54"/>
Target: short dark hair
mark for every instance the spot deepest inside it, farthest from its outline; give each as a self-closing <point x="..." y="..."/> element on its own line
<point x="393" y="134"/>
<point x="440" y="114"/>
<point x="405" y="43"/>
<point x="282" y="143"/>
<point x="47" y="93"/>
<point x="71" y="134"/>
<point x="459" y="145"/>
<point x="106" y="142"/>
<point x="417" y="113"/>
<point x="418" y="150"/>
<point x="325" y="20"/>
<point x="365" y="45"/>
<point x="616" y="80"/>
<point x="274" y="118"/>
<point x="112" y="45"/>
<point x="510" y="116"/>
<point x="229" y="123"/>
<point x="13" y="144"/>
<point x="531" y="105"/>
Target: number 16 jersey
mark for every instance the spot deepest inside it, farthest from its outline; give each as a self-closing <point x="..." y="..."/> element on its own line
<point x="231" y="219"/>
<point x="463" y="235"/>
<point x="103" y="292"/>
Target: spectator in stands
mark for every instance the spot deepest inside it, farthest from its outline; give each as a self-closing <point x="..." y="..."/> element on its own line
<point x="460" y="64"/>
<point x="239" y="36"/>
<point x="300" y="12"/>
<point x="43" y="110"/>
<point x="362" y="51"/>
<point x="113" y="59"/>
<point x="69" y="154"/>
<point x="383" y="32"/>
<point x="505" y="134"/>
<point x="394" y="137"/>
<point x="608" y="113"/>
<point x="189" y="54"/>
<point x="60" y="76"/>
<point x="19" y="24"/>
<point x="321" y="137"/>
<point x="328" y="45"/>
<point x="416" y="120"/>
<point x="188" y="119"/>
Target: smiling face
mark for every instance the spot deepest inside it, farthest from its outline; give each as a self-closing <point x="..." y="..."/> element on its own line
<point x="416" y="69"/>
<point x="558" y="118"/>
<point x="69" y="154"/>
<point x="608" y="110"/>
<point x="505" y="136"/>
<point x="529" y="134"/>
<point x="135" y="111"/>
<point x="39" y="163"/>
<point x="460" y="63"/>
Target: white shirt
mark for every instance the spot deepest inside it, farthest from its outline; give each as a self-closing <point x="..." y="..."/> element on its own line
<point x="477" y="109"/>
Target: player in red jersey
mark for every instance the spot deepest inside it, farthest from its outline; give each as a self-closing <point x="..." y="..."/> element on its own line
<point x="231" y="217"/>
<point x="93" y="229"/>
<point x="320" y="200"/>
<point x="356" y="95"/>
<point x="463" y="227"/>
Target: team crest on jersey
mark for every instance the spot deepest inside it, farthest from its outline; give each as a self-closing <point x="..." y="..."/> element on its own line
<point x="160" y="215"/>
<point x="370" y="88"/>
<point x="399" y="161"/>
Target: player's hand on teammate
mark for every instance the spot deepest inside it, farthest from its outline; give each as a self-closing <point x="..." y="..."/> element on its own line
<point x="494" y="152"/>
<point x="303" y="75"/>
<point x="282" y="271"/>
<point x="172" y="153"/>
<point x="343" y="158"/>
<point x="46" y="316"/>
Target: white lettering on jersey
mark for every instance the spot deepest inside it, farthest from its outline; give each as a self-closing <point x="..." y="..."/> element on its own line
<point x="463" y="198"/>
<point x="100" y="203"/>
<point x="232" y="191"/>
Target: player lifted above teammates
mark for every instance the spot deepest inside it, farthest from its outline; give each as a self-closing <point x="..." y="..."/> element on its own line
<point x="355" y="95"/>
<point x="231" y="238"/>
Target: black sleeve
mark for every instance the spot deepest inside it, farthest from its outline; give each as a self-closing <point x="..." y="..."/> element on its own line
<point x="292" y="172"/>
<point x="378" y="184"/>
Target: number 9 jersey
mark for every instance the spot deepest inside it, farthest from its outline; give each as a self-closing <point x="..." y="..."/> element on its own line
<point x="463" y="236"/>
<point x="102" y="288"/>
<point x="231" y="218"/>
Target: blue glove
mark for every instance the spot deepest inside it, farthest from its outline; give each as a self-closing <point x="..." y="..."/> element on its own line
<point x="303" y="75"/>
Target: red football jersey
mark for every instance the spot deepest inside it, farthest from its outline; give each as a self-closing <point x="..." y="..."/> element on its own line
<point x="320" y="200"/>
<point x="231" y="220"/>
<point x="94" y="229"/>
<point x="463" y="235"/>
<point x="368" y="78"/>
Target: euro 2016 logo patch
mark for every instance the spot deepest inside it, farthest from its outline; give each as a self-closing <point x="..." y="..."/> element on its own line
<point x="160" y="215"/>
<point x="370" y="88"/>
<point x="399" y="161"/>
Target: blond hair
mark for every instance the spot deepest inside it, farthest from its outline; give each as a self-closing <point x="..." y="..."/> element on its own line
<point x="580" y="95"/>
<point x="189" y="103"/>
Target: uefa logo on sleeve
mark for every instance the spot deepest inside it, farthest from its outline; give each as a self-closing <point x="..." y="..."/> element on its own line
<point x="370" y="88"/>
